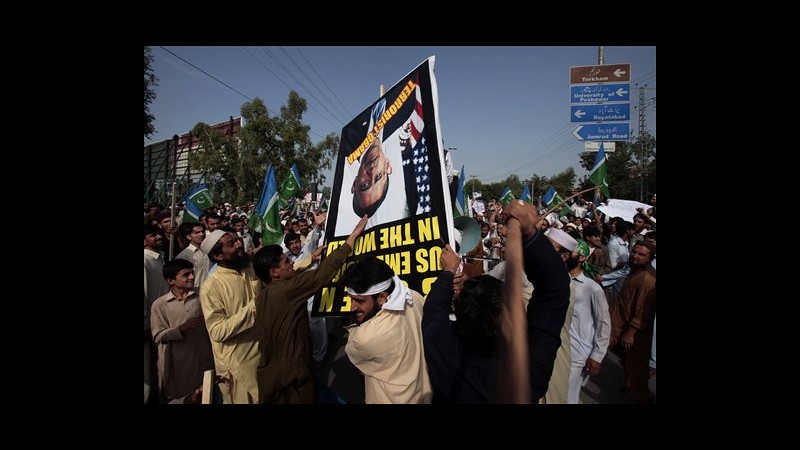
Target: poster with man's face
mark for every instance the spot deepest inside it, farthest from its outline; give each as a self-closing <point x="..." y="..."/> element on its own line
<point x="390" y="167"/>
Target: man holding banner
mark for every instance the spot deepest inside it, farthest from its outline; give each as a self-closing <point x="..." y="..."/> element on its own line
<point x="385" y="343"/>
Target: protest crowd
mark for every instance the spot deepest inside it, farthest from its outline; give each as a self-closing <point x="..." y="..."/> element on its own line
<point x="433" y="297"/>
<point x="217" y="298"/>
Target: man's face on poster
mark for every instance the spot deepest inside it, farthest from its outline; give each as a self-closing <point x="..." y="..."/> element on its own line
<point x="372" y="182"/>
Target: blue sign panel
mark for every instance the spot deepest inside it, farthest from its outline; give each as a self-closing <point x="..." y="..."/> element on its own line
<point x="595" y="93"/>
<point x="603" y="132"/>
<point x="600" y="113"/>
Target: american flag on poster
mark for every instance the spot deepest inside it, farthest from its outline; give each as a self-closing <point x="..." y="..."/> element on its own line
<point x="419" y="155"/>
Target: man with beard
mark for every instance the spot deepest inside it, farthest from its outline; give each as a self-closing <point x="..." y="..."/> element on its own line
<point x="385" y="343"/>
<point x="227" y="297"/>
<point x="154" y="287"/>
<point x="632" y="317"/>
<point x="556" y="393"/>
<point x="591" y="325"/>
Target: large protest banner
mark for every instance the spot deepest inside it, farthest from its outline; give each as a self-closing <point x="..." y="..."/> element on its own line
<point x="390" y="166"/>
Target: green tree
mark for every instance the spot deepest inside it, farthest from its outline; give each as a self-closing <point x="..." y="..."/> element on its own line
<point x="628" y="165"/>
<point x="284" y="140"/>
<point x="150" y="81"/>
<point x="280" y="140"/>
<point x="220" y="158"/>
<point x="563" y="182"/>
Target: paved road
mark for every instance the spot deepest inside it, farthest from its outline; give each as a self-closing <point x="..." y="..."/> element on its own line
<point x="344" y="380"/>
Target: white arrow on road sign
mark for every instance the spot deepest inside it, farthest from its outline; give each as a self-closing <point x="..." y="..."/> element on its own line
<point x="603" y="132"/>
<point x="620" y="92"/>
<point x="580" y="113"/>
<point x="619" y="72"/>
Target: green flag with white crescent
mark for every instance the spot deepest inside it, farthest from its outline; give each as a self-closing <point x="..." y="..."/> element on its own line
<point x="270" y="218"/>
<point x="290" y="188"/>
<point x="599" y="172"/>
<point x="507" y="196"/>
<point x="201" y="197"/>
<point x="196" y="202"/>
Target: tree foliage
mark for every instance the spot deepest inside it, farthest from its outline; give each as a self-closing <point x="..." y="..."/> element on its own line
<point x="280" y="140"/>
<point x="150" y="81"/>
<point x="631" y="169"/>
<point x="221" y="159"/>
<point x="563" y="182"/>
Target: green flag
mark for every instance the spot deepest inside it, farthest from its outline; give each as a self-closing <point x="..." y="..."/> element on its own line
<point x="196" y="202"/>
<point x="324" y="205"/>
<point x="290" y="188"/>
<point x="599" y="172"/>
<point x="269" y="211"/>
<point x="507" y="196"/>
<point x="526" y="195"/>
<point x="461" y="208"/>
<point x="201" y="197"/>
<point x="551" y="199"/>
<point x="254" y="222"/>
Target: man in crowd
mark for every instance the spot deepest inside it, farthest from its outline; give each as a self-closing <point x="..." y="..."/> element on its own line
<point x="285" y="374"/>
<point x="385" y="343"/>
<point x="632" y="317"/>
<point x="565" y="245"/>
<point x="184" y="349"/>
<point x="195" y="234"/>
<point x="548" y="305"/>
<point x="227" y="297"/>
<point x="154" y="287"/>
<point x="591" y="326"/>
<point x="461" y="355"/>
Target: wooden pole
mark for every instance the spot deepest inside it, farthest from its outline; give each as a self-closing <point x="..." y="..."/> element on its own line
<point x="567" y="199"/>
<point x="208" y="386"/>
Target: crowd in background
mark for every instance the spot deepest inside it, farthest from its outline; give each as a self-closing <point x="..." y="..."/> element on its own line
<point x="216" y="298"/>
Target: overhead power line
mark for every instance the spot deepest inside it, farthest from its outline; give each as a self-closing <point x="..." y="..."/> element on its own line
<point x="226" y="85"/>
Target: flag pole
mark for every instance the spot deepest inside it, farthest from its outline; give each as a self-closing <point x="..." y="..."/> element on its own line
<point x="567" y="199"/>
<point x="595" y="214"/>
<point x="172" y="223"/>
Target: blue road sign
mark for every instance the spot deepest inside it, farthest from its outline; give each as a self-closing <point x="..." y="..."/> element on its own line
<point x="595" y="93"/>
<point x="603" y="132"/>
<point x="600" y="113"/>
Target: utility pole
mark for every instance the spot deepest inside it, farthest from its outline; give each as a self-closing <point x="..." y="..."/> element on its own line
<point x="473" y="185"/>
<point x="600" y="55"/>
<point x="642" y="132"/>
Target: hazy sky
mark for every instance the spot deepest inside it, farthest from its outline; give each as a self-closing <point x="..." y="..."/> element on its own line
<point x="505" y="109"/>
